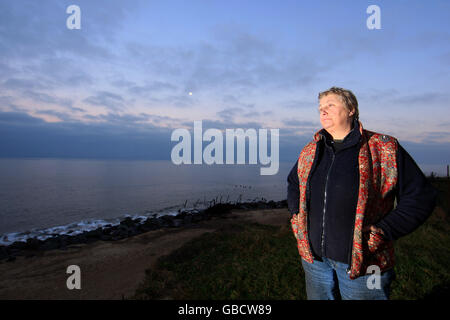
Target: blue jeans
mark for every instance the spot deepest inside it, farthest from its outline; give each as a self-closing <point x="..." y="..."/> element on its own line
<point x="329" y="280"/>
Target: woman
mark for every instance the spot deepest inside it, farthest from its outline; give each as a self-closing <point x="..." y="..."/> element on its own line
<point x="341" y="195"/>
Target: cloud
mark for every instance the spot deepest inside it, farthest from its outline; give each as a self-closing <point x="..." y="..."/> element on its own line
<point x="22" y="84"/>
<point x="300" y="104"/>
<point x="61" y="72"/>
<point x="5" y="101"/>
<point x="246" y="62"/>
<point x="151" y="88"/>
<point x="125" y="118"/>
<point x="42" y="54"/>
<point x="126" y="137"/>
<point x="45" y="98"/>
<point x="428" y="152"/>
<point x="231" y="60"/>
<point x="377" y="95"/>
<point x="64" y="116"/>
<point x="180" y="100"/>
<point x="436" y="137"/>
<point x="223" y="125"/>
<point x="6" y="70"/>
<point x="422" y="98"/>
<point x="75" y="109"/>
<point x="445" y="58"/>
<point x="9" y="118"/>
<point x="22" y="135"/>
<point x="236" y="70"/>
<point x="143" y="120"/>
<point x="33" y="29"/>
<point x="299" y="123"/>
<point x="106" y="99"/>
<point x="229" y="113"/>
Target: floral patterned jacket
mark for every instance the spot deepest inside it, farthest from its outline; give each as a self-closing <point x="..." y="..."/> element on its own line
<point x="377" y="180"/>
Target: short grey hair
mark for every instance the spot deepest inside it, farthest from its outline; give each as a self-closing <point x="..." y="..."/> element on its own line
<point x="347" y="97"/>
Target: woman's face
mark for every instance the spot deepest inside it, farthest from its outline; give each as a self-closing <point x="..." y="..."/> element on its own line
<point x="334" y="116"/>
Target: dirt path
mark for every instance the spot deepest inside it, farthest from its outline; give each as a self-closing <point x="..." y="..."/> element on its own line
<point x="109" y="270"/>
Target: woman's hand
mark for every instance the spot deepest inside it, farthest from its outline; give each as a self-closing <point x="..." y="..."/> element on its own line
<point x="375" y="238"/>
<point x="373" y="229"/>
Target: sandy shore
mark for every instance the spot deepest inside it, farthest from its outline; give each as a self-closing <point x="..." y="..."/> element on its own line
<point x="110" y="270"/>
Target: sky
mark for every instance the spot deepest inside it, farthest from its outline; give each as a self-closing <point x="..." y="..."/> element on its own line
<point x="137" y="70"/>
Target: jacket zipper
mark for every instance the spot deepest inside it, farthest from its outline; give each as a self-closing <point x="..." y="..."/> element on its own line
<point x="324" y="206"/>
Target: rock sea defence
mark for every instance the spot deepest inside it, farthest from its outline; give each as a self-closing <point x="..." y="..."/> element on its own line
<point x="129" y="227"/>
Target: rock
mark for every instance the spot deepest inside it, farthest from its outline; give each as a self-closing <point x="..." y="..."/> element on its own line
<point x="262" y="205"/>
<point x="197" y="217"/>
<point x="92" y="239"/>
<point x="97" y="233"/>
<point x="106" y="231"/>
<point x="165" y="221"/>
<point x="49" y="244"/>
<point x="219" y="209"/>
<point x="149" y="224"/>
<point x="118" y="235"/>
<point x="182" y="214"/>
<point x="137" y="220"/>
<point x="127" y="222"/>
<point x="132" y="231"/>
<point x="62" y="243"/>
<point x="33" y="244"/>
<point x="3" y="252"/>
<point x="142" y="228"/>
<point x="79" y="238"/>
<point x="282" y="204"/>
<point x="130" y="227"/>
<point x="177" y="223"/>
<point x="187" y="219"/>
<point x="105" y="237"/>
<point x="18" y="245"/>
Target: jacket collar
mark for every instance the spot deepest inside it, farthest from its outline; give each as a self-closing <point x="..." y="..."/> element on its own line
<point x="352" y="137"/>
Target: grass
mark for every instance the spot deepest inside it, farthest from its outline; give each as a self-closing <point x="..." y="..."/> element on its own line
<point x="254" y="261"/>
<point x="423" y="257"/>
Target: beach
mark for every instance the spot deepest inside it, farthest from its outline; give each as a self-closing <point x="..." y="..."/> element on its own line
<point x="112" y="269"/>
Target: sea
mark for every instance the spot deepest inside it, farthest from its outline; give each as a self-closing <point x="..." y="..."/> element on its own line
<point x="41" y="197"/>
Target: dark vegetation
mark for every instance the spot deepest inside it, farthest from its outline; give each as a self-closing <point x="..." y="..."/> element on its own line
<point x="256" y="261"/>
